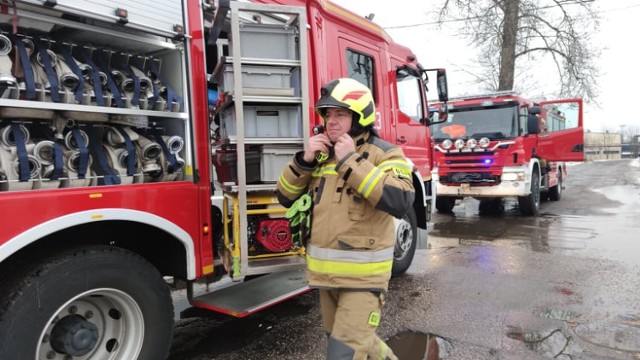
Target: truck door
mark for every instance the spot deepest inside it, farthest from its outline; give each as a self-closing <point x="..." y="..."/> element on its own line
<point x="412" y="134"/>
<point x="361" y="62"/>
<point x="563" y="138"/>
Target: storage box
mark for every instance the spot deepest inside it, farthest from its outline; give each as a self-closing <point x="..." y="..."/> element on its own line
<point x="274" y="158"/>
<point x="256" y="80"/>
<point x="266" y="41"/>
<point x="153" y="16"/>
<point x="264" y="121"/>
<point x="226" y="163"/>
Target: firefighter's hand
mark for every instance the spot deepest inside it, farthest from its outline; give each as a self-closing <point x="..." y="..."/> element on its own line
<point x="344" y="146"/>
<point x="317" y="144"/>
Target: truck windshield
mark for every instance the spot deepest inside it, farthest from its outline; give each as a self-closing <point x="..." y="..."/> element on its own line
<point x="495" y="122"/>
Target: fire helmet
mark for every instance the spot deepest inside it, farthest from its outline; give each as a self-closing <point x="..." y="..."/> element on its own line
<point x="349" y="94"/>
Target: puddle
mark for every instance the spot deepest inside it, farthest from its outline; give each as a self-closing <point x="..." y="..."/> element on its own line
<point x="413" y="345"/>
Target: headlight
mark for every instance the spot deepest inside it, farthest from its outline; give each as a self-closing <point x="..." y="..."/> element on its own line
<point x="484" y="142"/>
<point x="447" y="144"/>
<point x="459" y="144"/>
<point x="472" y="143"/>
<point x="519" y="176"/>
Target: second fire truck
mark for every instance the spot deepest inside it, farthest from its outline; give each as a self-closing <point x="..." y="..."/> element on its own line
<point x="501" y="145"/>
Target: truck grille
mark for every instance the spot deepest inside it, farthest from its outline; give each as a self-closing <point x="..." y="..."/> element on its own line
<point x="461" y="158"/>
<point x="474" y="177"/>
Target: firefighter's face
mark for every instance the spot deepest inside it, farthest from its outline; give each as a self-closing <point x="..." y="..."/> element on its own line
<point x="338" y="122"/>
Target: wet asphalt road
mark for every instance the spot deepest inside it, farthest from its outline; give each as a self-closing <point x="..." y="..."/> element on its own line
<point x="563" y="285"/>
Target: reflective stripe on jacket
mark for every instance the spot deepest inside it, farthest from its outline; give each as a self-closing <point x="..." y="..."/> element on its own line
<point x="355" y="201"/>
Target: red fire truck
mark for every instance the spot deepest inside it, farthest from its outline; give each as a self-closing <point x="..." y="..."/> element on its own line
<point x="140" y="143"/>
<point x="500" y="145"/>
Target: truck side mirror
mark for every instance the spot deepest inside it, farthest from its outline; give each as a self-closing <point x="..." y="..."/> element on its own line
<point x="533" y="125"/>
<point x="443" y="90"/>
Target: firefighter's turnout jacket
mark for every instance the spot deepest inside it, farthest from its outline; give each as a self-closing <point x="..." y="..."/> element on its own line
<point x="354" y="203"/>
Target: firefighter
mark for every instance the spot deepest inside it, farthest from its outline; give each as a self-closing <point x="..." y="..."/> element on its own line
<point x="358" y="184"/>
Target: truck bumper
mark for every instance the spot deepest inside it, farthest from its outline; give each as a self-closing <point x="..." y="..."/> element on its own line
<point x="515" y="181"/>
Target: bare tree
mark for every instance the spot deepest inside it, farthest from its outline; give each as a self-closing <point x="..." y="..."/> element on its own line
<point x="515" y="35"/>
<point x="629" y="131"/>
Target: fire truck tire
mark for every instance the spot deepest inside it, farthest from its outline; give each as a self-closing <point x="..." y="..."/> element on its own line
<point x="555" y="193"/>
<point x="98" y="303"/>
<point x="530" y="205"/>
<point x="406" y="242"/>
<point x="445" y="204"/>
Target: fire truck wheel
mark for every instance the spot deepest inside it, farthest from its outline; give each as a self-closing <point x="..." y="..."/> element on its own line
<point x="445" y="204"/>
<point x="94" y="303"/>
<point x="530" y="205"/>
<point x="406" y="242"/>
<point x="555" y="193"/>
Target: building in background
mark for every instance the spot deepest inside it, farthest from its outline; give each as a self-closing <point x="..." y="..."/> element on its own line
<point x="602" y="146"/>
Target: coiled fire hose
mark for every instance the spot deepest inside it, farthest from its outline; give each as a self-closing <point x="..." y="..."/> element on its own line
<point x="299" y="216"/>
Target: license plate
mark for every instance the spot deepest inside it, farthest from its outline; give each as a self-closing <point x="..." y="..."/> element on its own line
<point x="465" y="189"/>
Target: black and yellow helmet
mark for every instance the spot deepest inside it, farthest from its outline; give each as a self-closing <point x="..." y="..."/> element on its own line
<point x="349" y="94"/>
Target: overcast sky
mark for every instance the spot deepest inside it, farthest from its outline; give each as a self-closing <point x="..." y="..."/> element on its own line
<point x="620" y="77"/>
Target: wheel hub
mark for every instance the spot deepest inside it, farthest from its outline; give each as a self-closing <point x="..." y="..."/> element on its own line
<point x="74" y="335"/>
<point x="404" y="237"/>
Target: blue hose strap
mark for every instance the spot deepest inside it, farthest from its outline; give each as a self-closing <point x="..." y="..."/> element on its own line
<point x="58" y="162"/>
<point x="171" y="157"/>
<point x="110" y="175"/>
<point x="27" y="69"/>
<point x="102" y="64"/>
<point x="23" y="158"/>
<point x="131" y="159"/>
<point x="171" y="96"/>
<point x="71" y="62"/>
<point x="119" y="61"/>
<point x="95" y="77"/>
<point x="84" y="153"/>
<point x="48" y="67"/>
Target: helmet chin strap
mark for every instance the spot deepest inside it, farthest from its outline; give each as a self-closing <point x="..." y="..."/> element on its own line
<point x="356" y="128"/>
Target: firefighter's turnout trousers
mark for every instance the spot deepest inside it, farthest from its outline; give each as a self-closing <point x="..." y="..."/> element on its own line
<point x="351" y="318"/>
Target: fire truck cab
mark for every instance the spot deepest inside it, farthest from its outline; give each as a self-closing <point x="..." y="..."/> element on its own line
<point x="500" y="145"/>
<point x="140" y="145"/>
